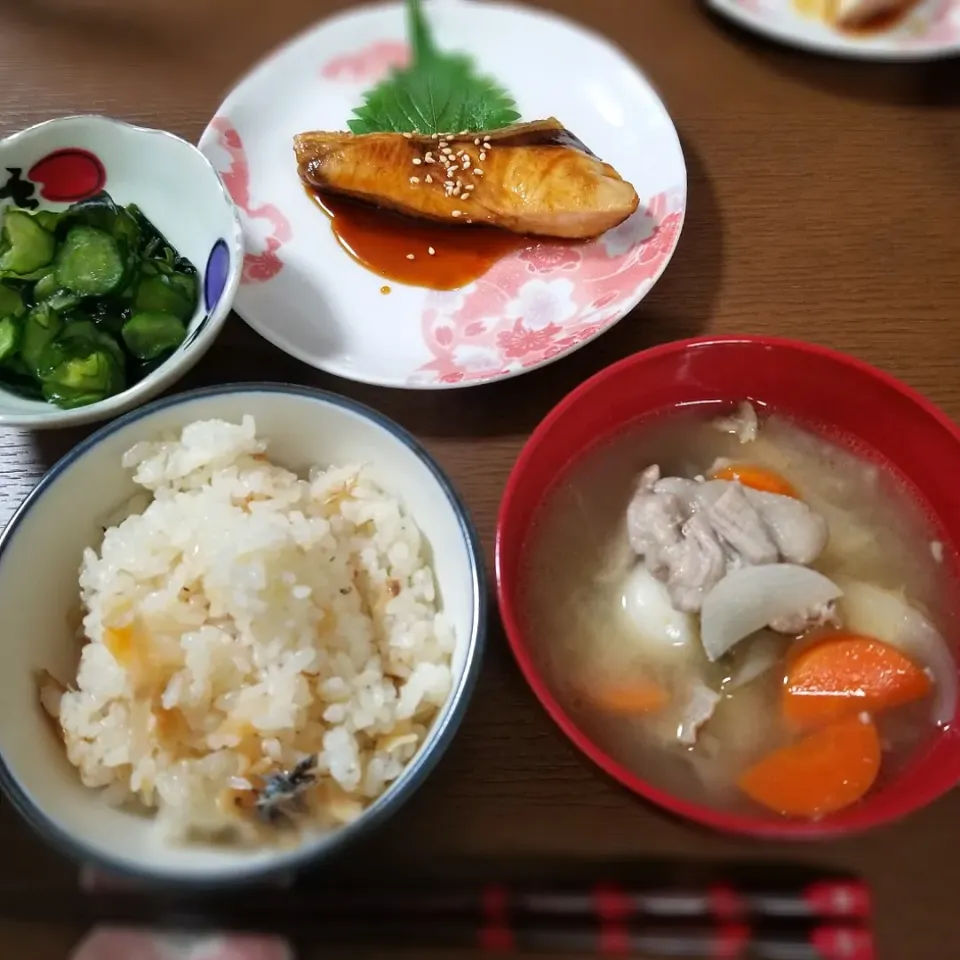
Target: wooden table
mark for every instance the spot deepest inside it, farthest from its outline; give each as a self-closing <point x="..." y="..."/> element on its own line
<point x="824" y="204"/>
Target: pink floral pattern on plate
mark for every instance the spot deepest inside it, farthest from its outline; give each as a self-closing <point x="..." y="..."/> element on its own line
<point x="367" y="65"/>
<point x="546" y="300"/>
<point x="266" y="229"/>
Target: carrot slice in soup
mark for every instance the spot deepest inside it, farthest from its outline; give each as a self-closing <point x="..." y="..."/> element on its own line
<point x="758" y="478"/>
<point x="635" y="698"/>
<point x="826" y="771"/>
<point x="848" y="674"/>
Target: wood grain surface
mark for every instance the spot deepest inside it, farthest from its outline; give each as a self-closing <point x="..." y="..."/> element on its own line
<point x="824" y="204"/>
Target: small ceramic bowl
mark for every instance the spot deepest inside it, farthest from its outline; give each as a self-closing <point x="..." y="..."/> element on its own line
<point x="40" y="554"/>
<point x="812" y="384"/>
<point x="63" y="161"/>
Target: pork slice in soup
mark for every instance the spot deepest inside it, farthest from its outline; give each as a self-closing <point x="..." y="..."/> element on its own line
<point x="743" y="612"/>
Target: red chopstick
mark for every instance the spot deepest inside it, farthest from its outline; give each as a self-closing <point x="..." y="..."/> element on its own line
<point x="812" y="917"/>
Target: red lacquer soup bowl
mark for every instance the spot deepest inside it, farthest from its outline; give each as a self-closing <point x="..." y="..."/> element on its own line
<point x="816" y="387"/>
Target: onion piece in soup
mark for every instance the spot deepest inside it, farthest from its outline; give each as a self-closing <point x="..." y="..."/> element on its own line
<point x="651" y="614"/>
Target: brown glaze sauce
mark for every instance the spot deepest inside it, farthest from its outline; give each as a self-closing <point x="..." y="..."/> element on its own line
<point x="383" y="241"/>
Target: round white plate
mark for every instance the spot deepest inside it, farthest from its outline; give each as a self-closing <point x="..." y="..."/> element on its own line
<point x="303" y="293"/>
<point x="931" y="30"/>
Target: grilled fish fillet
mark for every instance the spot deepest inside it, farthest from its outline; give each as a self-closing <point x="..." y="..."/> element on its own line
<point x="533" y="178"/>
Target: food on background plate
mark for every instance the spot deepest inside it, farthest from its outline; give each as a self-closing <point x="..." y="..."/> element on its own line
<point x="259" y="651"/>
<point x="437" y="142"/>
<point x="530" y="178"/>
<point x="92" y="299"/>
<point x="743" y="612"/>
<point x="857" y="15"/>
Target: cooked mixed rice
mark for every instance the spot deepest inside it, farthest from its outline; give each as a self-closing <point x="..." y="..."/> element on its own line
<point x="257" y="648"/>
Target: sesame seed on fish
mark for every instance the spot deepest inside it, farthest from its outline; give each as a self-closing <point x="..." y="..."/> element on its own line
<point x="410" y="256"/>
<point x="417" y="161"/>
<point x="457" y="213"/>
<point x="431" y="251"/>
<point x="414" y="179"/>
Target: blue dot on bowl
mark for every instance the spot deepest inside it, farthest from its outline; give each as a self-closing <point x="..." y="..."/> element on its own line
<point x="215" y="277"/>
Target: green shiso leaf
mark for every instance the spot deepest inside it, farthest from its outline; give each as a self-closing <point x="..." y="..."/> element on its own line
<point x="437" y="93"/>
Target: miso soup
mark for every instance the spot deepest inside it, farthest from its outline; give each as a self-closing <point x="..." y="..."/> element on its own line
<point x="747" y="614"/>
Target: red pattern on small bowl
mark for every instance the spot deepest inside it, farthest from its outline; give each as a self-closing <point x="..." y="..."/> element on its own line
<point x="69" y="175"/>
<point x="904" y="431"/>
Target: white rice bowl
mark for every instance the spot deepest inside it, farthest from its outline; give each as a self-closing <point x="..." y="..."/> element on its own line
<point x="238" y="619"/>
